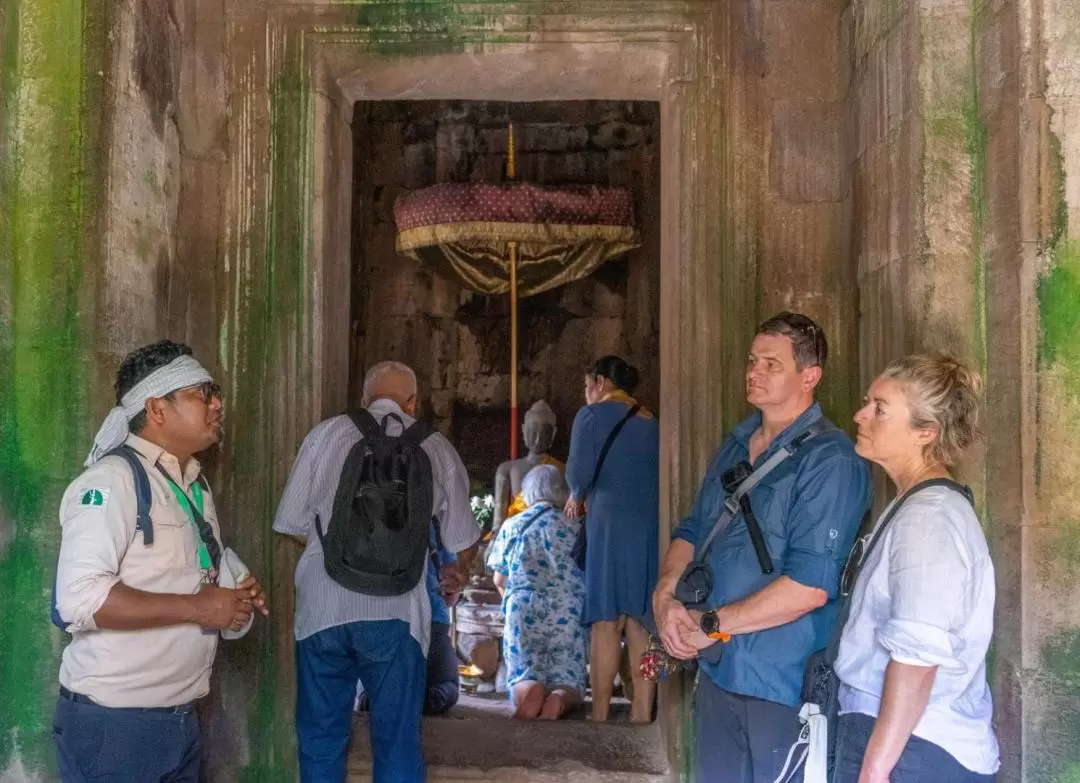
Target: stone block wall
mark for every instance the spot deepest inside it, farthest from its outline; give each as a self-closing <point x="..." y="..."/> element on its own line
<point x="458" y="341"/>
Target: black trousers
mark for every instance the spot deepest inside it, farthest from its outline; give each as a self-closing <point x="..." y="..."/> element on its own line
<point x="740" y="739"/>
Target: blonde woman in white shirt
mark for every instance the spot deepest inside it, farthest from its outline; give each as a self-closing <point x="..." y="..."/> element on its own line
<point x="914" y="701"/>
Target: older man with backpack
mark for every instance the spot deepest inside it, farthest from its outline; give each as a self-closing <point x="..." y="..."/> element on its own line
<point x="362" y="493"/>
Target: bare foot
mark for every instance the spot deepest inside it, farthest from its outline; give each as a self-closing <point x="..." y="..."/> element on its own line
<point x="554" y="706"/>
<point x="530" y="703"/>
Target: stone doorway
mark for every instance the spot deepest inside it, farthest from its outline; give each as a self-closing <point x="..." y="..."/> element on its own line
<point x="292" y="107"/>
<point x="458" y="342"/>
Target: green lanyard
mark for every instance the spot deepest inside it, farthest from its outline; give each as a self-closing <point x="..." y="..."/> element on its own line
<point x="185" y="502"/>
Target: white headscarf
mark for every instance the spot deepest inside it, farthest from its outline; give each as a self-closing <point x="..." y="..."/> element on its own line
<point x="544" y="483"/>
<point x="180" y="373"/>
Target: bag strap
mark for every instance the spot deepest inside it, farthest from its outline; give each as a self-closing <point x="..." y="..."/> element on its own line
<point x="731" y="503"/>
<point x="143" y="498"/>
<point x="845" y="601"/>
<point x="367" y="424"/>
<point x="206" y="532"/>
<point x="607" y="447"/>
<point x="417" y="432"/>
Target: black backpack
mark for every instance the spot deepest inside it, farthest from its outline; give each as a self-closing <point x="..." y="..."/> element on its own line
<point x="378" y="535"/>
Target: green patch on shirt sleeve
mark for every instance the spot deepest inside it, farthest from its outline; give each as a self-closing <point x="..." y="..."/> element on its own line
<point x="94" y="496"/>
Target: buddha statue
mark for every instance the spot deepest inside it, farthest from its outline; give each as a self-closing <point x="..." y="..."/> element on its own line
<point x="538" y="429"/>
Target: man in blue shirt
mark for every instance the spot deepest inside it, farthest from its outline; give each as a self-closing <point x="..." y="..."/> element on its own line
<point x="809" y="509"/>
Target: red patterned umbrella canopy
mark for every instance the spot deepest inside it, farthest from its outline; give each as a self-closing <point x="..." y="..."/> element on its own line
<point x="561" y="234"/>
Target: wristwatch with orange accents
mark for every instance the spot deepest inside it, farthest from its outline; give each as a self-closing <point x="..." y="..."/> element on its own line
<point x="710" y="626"/>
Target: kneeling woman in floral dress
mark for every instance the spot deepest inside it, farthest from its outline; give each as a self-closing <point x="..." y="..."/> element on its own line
<point x="543" y="597"/>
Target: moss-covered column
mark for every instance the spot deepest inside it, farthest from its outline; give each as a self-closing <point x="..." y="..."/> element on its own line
<point x="1051" y="649"/>
<point x="50" y="123"/>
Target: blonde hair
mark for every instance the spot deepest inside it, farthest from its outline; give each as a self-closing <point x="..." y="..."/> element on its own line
<point x="942" y="394"/>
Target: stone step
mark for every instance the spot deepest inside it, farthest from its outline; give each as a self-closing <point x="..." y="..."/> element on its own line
<point x="501" y="749"/>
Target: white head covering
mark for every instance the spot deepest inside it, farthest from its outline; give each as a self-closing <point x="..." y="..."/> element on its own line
<point x="180" y="373"/>
<point x="544" y="483"/>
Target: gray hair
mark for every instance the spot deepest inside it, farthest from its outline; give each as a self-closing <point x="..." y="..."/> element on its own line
<point x="378" y="370"/>
<point x="544" y="483"/>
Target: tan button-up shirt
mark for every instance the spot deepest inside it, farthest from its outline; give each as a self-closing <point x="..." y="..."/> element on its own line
<point x="99" y="546"/>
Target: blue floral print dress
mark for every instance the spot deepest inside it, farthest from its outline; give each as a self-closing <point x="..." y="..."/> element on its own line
<point x="543" y="636"/>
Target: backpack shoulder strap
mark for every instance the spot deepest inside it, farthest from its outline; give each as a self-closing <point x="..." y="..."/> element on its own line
<point x="418" y="432"/>
<point x="143" y="498"/>
<point x="366" y="423"/>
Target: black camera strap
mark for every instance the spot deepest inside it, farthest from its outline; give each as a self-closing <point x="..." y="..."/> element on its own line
<point x="732" y="502"/>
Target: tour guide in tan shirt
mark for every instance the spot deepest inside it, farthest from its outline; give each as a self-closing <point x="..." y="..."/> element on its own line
<point x="144" y="614"/>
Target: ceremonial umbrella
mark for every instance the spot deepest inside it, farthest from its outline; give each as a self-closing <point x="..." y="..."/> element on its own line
<point x="515" y="238"/>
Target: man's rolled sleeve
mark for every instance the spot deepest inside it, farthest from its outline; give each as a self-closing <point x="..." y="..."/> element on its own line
<point x="457" y="523"/>
<point x="295" y="513"/>
<point x="93" y="541"/>
<point x="926" y="589"/>
<point x="830" y="501"/>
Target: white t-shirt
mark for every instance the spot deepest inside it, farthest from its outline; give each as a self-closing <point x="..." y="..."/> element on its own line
<point x="925" y="597"/>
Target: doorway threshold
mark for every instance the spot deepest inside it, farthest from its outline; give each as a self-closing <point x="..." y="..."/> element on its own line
<point x="471" y="744"/>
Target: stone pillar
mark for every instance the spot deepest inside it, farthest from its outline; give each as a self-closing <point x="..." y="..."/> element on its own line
<point x="1045" y="668"/>
<point x="806" y="261"/>
<point x="967" y="149"/>
<point x="53" y="57"/>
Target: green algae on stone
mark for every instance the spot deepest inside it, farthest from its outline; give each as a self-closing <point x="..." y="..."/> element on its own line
<point x="1059" y="310"/>
<point x="44" y="354"/>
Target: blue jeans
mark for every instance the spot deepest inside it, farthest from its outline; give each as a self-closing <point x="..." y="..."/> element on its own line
<point x="384" y="656"/>
<point x="921" y="761"/>
<point x="96" y="744"/>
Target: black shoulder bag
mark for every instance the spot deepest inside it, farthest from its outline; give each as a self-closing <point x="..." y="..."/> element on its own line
<point x="581" y="543"/>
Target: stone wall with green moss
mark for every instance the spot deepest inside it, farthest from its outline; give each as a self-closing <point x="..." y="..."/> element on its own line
<point x="51" y="88"/>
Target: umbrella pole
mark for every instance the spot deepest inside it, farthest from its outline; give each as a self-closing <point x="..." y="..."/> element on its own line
<point x="511" y="172"/>
<point x="513" y="352"/>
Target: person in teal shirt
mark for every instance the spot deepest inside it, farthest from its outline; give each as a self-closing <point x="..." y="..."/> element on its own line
<point x="809" y="510"/>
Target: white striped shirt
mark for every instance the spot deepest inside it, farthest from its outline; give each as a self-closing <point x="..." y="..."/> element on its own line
<point x="321" y="602"/>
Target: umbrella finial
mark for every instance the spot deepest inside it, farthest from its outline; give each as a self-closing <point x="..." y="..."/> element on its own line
<point x="511" y="153"/>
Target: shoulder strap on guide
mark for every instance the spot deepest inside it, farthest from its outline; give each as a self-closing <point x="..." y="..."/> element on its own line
<point x="143" y="523"/>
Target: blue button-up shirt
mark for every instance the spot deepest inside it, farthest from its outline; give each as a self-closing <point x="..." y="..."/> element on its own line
<point x="809" y="510"/>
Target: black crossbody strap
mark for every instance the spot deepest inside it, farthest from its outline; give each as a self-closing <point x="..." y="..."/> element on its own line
<point x="206" y="533"/>
<point x="731" y="503"/>
<point x="879" y="534"/>
<point x="607" y="447"/>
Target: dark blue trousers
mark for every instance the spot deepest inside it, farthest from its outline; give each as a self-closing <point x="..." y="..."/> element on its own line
<point x="740" y="739"/>
<point x="921" y="761"/>
<point x="96" y="744"/>
<point x="384" y="656"/>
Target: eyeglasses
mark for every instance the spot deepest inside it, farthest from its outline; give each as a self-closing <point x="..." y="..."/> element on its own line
<point x="851" y="566"/>
<point x="206" y="391"/>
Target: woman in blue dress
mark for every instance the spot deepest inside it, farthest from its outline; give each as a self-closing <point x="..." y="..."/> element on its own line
<point x="543" y="595"/>
<point x="622" y="527"/>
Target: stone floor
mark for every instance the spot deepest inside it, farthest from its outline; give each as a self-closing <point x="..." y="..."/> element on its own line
<point x="479" y="741"/>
